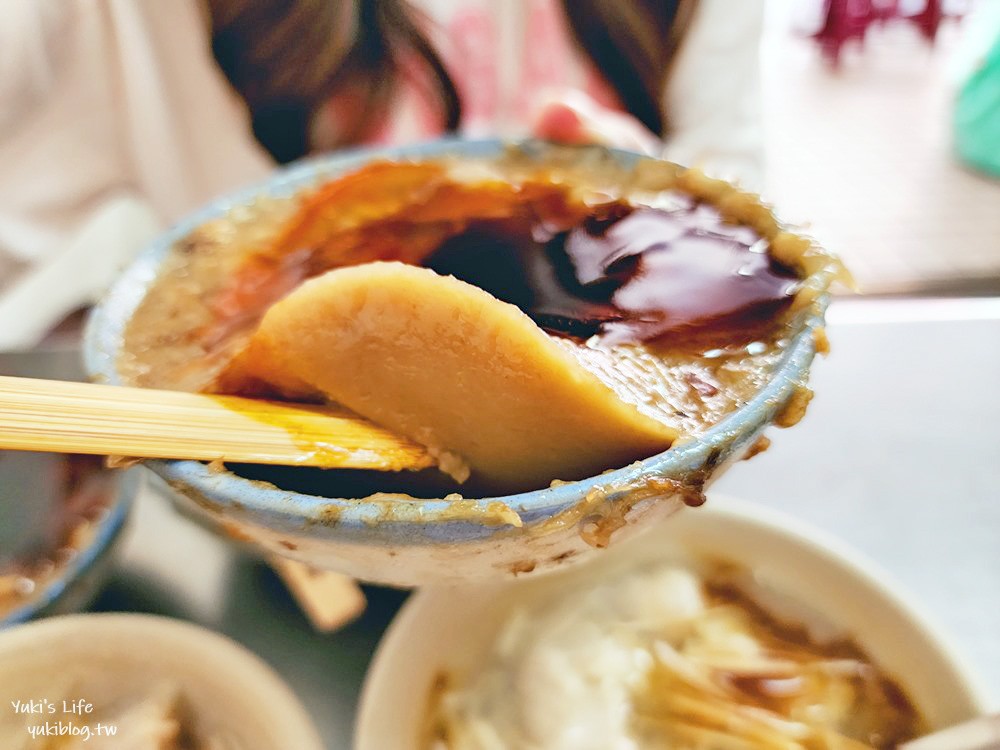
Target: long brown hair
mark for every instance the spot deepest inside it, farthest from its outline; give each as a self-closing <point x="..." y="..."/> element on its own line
<point x="287" y="58"/>
<point x="633" y="44"/>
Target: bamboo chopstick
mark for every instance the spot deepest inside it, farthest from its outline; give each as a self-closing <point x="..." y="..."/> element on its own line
<point x="63" y="417"/>
<point x="330" y="600"/>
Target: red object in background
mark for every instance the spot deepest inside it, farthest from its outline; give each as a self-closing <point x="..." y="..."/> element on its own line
<point x="850" y="19"/>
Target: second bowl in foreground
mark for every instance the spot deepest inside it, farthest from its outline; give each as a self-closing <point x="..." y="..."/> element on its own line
<point x="129" y="677"/>
<point x="453" y="630"/>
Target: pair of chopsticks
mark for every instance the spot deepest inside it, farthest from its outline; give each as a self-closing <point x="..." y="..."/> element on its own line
<point x="65" y="417"/>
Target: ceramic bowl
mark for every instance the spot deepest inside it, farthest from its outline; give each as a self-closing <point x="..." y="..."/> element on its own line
<point x="228" y="691"/>
<point x="398" y="540"/>
<point x="29" y="496"/>
<point x="452" y="629"/>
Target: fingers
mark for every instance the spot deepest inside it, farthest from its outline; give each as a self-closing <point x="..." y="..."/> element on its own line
<point x="573" y="117"/>
<point x="558" y="122"/>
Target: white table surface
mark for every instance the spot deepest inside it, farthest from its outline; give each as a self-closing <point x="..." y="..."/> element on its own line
<point x="899" y="455"/>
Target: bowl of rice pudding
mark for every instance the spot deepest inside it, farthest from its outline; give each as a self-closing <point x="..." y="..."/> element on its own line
<point x="580" y="338"/>
<point x="727" y="627"/>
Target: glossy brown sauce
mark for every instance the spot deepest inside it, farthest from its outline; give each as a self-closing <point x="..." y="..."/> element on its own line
<point x="625" y="274"/>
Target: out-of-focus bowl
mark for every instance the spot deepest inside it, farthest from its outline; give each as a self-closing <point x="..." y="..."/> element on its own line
<point x="402" y="541"/>
<point x="452" y="629"/>
<point x="228" y="691"/>
<point x="30" y="495"/>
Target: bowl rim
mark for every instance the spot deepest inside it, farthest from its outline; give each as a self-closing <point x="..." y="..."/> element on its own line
<point x="259" y="680"/>
<point x="287" y="509"/>
<point x="848" y="561"/>
<point x="108" y="529"/>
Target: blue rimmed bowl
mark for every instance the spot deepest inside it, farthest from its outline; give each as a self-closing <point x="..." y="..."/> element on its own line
<point x="30" y="495"/>
<point x="400" y="540"/>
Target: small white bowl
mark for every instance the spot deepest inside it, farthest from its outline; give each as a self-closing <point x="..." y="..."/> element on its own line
<point x="230" y="691"/>
<point x="452" y="629"/>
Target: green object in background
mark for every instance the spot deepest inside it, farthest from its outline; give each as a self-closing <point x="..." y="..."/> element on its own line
<point x="977" y="116"/>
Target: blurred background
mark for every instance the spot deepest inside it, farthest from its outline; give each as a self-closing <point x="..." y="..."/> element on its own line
<point x="865" y="152"/>
<point x="121" y="116"/>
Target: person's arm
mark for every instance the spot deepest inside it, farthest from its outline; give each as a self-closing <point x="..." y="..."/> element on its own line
<point x="712" y="98"/>
<point x="114" y="120"/>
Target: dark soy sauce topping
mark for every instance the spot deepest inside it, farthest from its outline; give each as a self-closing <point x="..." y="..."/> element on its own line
<point x="625" y="273"/>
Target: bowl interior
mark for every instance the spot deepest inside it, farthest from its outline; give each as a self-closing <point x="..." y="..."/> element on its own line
<point x="821" y="580"/>
<point x="228" y="691"/>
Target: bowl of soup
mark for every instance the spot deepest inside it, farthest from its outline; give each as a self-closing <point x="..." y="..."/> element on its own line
<point x="581" y="338"/>
<point x="729" y="626"/>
